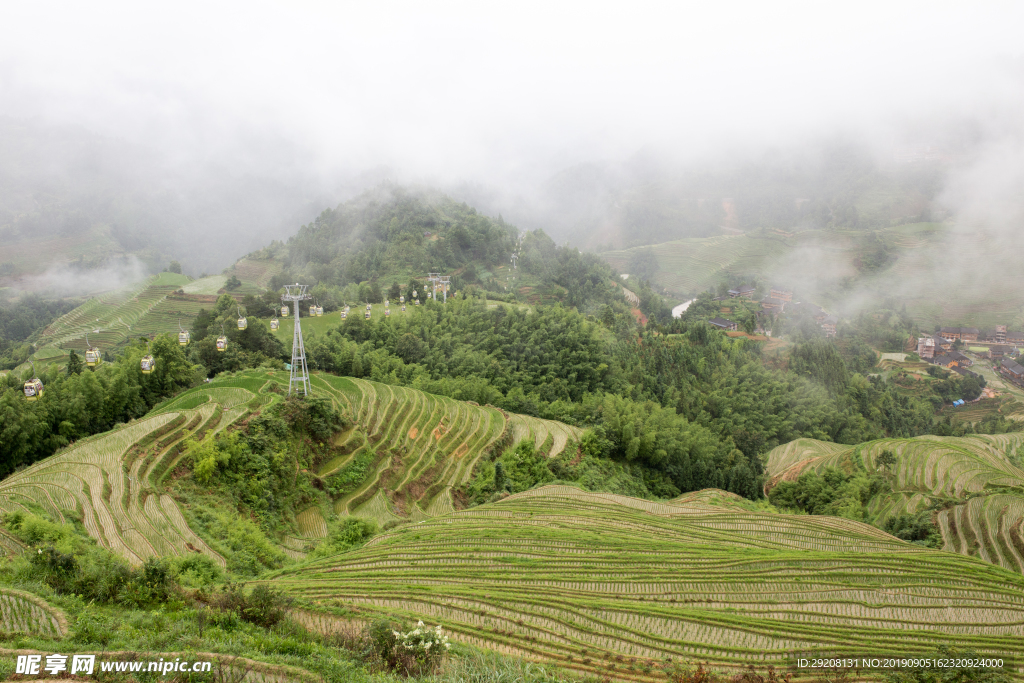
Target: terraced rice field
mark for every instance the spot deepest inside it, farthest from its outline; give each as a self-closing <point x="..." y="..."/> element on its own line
<point x="421" y="445"/>
<point x="256" y="271"/>
<point x="149" y="308"/>
<point x="412" y="448"/>
<point x="972" y="478"/>
<point x="22" y="612"/>
<point x="112" y="481"/>
<point x="611" y="585"/>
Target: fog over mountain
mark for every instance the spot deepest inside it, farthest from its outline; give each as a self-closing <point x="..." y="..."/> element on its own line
<point x="603" y="125"/>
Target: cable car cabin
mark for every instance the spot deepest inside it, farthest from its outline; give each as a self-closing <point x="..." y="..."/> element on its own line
<point x="416" y="301"/>
<point x="183" y="338"/>
<point x="242" y="324"/>
<point x="387" y="312"/>
<point x="33" y="389"/>
<point x="319" y="311"/>
<point x="367" y="315"/>
<point x="312" y="311"/>
<point x="403" y="308"/>
<point x="275" y="323"/>
<point x="284" y="311"/>
<point x="368" y="307"/>
<point x="414" y="294"/>
<point x="92" y="356"/>
<point x="401" y="299"/>
<point x="222" y="343"/>
<point x="344" y="315"/>
<point x="148" y="363"/>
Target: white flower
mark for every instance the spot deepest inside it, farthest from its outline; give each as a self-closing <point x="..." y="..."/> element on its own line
<point x="427" y="646"/>
<point x="419" y="623"/>
<point x="447" y="646"/>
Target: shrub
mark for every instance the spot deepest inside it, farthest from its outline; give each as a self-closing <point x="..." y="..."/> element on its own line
<point x="263" y="606"/>
<point x="418" y="652"/>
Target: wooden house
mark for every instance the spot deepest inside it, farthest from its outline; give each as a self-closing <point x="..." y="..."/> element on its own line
<point x="1012" y="370"/>
<point x="781" y="294"/>
<point x="745" y="292"/>
<point x="723" y="324"/>
<point x="829" y="325"/>
<point x="770" y="303"/>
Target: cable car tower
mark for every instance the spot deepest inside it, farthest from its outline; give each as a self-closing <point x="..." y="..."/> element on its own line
<point x="300" y="373"/>
<point x="445" y="282"/>
<point x="433" y="278"/>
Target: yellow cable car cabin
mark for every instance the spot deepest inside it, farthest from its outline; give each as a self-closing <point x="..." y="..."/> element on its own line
<point x="416" y="301"/>
<point x="275" y="323"/>
<point x="401" y="299"/>
<point x="403" y="308"/>
<point x="242" y="323"/>
<point x="33" y="388"/>
<point x="148" y="364"/>
<point x="387" y="312"/>
<point x="312" y="311"/>
<point x="414" y="294"/>
<point x="92" y="356"/>
<point x="367" y="316"/>
<point x="344" y="314"/>
<point x="319" y="311"/>
<point x="184" y="338"/>
<point x="368" y="307"/>
<point x="284" y="311"/>
<point x="222" y="343"/>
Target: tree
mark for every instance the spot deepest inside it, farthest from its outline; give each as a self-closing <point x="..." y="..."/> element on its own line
<point x="886" y="459"/>
<point x="395" y="291"/>
<point x="174" y="267"/>
<point x="500" y="484"/>
<point x="232" y="284"/>
<point x="74" y="364"/>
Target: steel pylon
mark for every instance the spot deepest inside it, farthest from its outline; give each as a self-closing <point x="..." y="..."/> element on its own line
<point x="299" y="373"/>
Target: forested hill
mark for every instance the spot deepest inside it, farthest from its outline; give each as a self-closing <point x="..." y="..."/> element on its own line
<point x="389" y="238"/>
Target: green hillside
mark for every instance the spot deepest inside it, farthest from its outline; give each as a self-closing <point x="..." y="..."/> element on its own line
<point x="611" y="585"/>
<point x="399" y="460"/>
<point x="972" y="486"/>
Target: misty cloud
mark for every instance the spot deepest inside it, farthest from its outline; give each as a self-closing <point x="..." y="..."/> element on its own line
<point x="65" y="279"/>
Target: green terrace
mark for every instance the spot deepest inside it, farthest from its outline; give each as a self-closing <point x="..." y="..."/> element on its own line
<point x="608" y="585"/>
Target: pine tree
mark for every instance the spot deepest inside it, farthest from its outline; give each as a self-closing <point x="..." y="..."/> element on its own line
<point x="74" y="364"/>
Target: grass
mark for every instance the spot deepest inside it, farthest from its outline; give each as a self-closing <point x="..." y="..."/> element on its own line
<point x="609" y="585"/>
<point x="970" y="479"/>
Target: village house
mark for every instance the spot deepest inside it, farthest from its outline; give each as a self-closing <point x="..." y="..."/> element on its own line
<point x="926" y="347"/>
<point x="998" y="351"/>
<point x="965" y="334"/>
<point x="829" y="325"/>
<point x="999" y="335"/>
<point x="1013" y="371"/>
<point x="723" y="324"/>
<point x="954" y="359"/>
<point x="770" y="303"/>
<point x="943" y="344"/>
<point x="782" y="294"/>
<point x="746" y="291"/>
<point x="1014" y="337"/>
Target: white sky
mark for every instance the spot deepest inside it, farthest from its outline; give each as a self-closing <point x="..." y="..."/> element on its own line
<point x="485" y="89"/>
